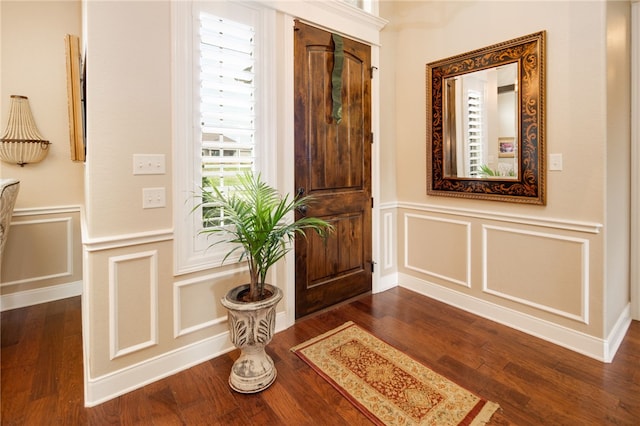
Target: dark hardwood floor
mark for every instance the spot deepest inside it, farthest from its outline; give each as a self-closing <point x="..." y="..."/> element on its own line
<point x="535" y="383"/>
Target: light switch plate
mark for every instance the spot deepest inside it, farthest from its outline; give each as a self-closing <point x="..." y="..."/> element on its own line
<point x="153" y="198"/>
<point x="555" y="162"/>
<point x="148" y="164"/>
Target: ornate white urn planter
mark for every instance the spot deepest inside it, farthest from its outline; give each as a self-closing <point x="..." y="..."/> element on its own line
<point x="251" y="327"/>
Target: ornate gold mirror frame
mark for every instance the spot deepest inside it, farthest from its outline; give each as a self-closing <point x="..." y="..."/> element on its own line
<point x="527" y="184"/>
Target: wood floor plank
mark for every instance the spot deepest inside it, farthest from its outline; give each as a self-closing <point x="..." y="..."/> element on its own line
<point x="42" y="411"/>
<point x="14" y="321"/>
<point x="316" y="398"/>
<point x="107" y="413"/>
<point x="70" y="388"/>
<point x="535" y="382"/>
<point x="49" y="362"/>
<point x="285" y="405"/>
<point x="26" y="349"/>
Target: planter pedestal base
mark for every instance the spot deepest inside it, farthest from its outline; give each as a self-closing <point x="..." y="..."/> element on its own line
<point x="253" y="371"/>
<point x="251" y="327"/>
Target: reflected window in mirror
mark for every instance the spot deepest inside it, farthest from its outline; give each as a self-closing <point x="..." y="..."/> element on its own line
<point x="481" y="112"/>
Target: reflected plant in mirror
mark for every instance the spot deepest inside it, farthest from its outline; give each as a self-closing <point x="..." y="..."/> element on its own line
<point x="485" y="117"/>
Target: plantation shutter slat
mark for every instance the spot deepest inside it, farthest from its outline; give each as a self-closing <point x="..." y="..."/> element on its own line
<point x="227" y="101"/>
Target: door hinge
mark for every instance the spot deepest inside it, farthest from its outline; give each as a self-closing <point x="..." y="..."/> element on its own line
<point x="371" y="71"/>
<point x="373" y="267"/>
<point x="372" y="138"/>
<point x="371" y="202"/>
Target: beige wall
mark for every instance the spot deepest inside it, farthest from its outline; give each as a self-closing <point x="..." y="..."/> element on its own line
<point x="33" y="65"/>
<point x="575" y="59"/>
<point x="565" y="263"/>
<point x="129" y="79"/>
<point x="43" y="253"/>
<point x="618" y="164"/>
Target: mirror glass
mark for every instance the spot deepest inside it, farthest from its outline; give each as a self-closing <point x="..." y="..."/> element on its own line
<point x="485" y="123"/>
<point x="481" y="116"/>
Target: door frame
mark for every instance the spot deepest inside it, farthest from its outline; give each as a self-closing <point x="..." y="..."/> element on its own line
<point x="288" y="159"/>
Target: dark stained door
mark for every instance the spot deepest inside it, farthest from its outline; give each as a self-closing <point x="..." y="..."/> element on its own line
<point x="333" y="164"/>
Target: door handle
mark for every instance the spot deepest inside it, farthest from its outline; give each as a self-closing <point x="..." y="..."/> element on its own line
<point x="302" y="209"/>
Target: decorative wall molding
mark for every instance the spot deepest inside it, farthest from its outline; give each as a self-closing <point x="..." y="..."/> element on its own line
<point x="601" y="349"/>
<point x="389" y="235"/>
<point x="545" y="222"/>
<point x="334" y="16"/>
<point x="101" y="389"/>
<point x="68" y="248"/>
<point x="115" y="317"/>
<point x="388" y="206"/>
<point x="583" y="316"/>
<point x="26" y="298"/>
<point x="387" y="282"/>
<point x="178" y="286"/>
<point x="466" y="282"/>
<point x="39" y="211"/>
<point x="127" y="240"/>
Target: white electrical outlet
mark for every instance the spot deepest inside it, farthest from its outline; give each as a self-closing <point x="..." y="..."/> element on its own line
<point x="153" y="198"/>
<point x="148" y="164"/>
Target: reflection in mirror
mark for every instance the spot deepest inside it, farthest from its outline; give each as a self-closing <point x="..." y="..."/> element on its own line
<point x="485" y="123"/>
<point x="481" y="112"/>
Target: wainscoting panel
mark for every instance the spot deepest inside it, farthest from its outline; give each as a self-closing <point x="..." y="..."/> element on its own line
<point x="133" y="309"/>
<point x="42" y="260"/>
<point x="27" y="260"/>
<point x="449" y="259"/>
<point x="196" y="301"/>
<point x="547" y="271"/>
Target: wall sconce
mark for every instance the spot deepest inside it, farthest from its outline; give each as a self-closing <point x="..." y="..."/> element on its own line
<point x="21" y="142"/>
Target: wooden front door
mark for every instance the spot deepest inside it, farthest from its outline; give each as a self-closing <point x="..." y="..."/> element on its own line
<point x="333" y="164"/>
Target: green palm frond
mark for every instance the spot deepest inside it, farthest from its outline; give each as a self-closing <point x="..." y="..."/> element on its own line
<point x="256" y="222"/>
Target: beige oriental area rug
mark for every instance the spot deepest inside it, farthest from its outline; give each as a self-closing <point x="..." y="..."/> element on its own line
<point x="388" y="386"/>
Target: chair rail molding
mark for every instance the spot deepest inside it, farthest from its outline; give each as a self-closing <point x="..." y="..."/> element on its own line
<point x="127" y="240"/>
<point x="545" y="222"/>
<point x="38" y="211"/>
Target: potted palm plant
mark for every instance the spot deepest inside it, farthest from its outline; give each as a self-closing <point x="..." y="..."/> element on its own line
<point x="255" y="219"/>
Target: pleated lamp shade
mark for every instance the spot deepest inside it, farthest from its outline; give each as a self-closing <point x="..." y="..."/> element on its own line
<point x="21" y="142"/>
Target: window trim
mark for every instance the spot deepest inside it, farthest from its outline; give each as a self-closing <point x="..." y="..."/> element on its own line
<point x="191" y="249"/>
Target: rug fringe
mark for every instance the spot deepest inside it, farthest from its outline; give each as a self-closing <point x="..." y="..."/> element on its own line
<point x="322" y="336"/>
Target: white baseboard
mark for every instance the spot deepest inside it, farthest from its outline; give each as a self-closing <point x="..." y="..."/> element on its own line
<point x="386" y="282"/>
<point x="593" y="347"/>
<point x="42" y="295"/>
<point x="112" y="385"/>
<point x="616" y="336"/>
